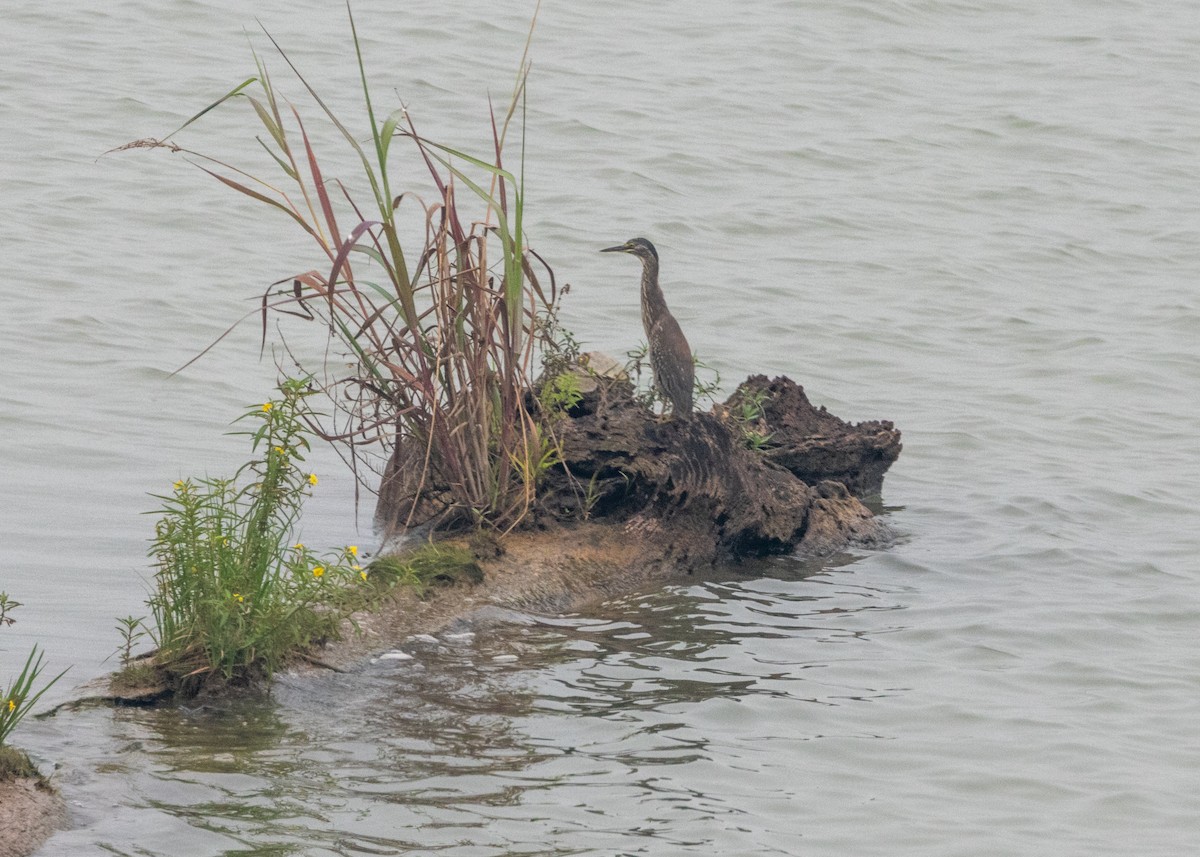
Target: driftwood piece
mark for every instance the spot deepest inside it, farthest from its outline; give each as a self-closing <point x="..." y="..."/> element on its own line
<point x="698" y="476"/>
<point x="814" y="445"/>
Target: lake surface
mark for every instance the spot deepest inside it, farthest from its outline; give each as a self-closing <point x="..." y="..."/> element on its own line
<point x="978" y="219"/>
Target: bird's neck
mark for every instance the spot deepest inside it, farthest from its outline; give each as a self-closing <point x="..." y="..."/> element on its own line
<point x="652" y="296"/>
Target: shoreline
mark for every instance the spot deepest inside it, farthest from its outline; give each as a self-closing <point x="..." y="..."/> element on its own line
<point x="559" y="571"/>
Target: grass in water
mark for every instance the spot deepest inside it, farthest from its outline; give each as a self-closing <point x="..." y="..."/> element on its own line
<point x="19" y="697"/>
<point x="234" y="594"/>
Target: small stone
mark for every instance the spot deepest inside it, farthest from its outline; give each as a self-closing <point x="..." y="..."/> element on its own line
<point x="395" y="656"/>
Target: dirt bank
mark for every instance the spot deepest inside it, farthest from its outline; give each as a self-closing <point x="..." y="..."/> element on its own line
<point x="30" y="810"/>
<point x="567" y="569"/>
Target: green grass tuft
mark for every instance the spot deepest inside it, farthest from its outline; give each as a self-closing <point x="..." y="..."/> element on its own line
<point x="430" y="565"/>
<point x="19" y="697"/>
<point x="14" y="764"/>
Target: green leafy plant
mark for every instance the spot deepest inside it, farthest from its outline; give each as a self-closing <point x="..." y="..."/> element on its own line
<point x="440" y="330"/>
<point x="7" y="605"/>
<point x="747" y="413"/>
<point x="19" y="697"/>
<point x="131" y="631"/>
<point x="233" y="594"/>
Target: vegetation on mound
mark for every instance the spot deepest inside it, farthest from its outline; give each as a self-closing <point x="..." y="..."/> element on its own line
<point x="234" y="593"/>
<point x="432" y="564"/>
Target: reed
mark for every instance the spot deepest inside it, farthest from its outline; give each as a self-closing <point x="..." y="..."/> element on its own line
<point x="440" y="329"/>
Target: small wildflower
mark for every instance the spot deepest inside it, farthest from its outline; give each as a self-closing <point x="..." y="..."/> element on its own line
<point x="238" y="598"/>
<point x="281" y="450"/>
<point x="352" y="550"/>
<point x="267" y="407"/>
<point x="12" y="706"/>
<point x="298" y="546"/>
<point x="312" y="479"/>
<point x="318" y="571"/>
<point x="363" y="575"/>
<point x="178" y="484"/>
<point x="356" y="568"/>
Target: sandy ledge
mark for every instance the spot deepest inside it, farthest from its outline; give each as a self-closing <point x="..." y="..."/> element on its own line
<point x="30" y="810"/>
<point x="564" y="570"/>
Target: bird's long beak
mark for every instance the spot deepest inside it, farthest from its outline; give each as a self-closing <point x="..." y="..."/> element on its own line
<point x="623" y="248"/>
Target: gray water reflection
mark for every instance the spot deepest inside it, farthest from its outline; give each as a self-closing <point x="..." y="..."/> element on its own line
<point x="644" y="727"/>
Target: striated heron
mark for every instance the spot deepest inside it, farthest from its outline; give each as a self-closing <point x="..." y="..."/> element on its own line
<point x="670" y="356"/>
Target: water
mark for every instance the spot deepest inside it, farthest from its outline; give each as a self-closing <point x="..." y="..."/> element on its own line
<point x="976" y="219"/>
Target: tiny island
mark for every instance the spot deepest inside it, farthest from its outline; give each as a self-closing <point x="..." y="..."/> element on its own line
<point x="513" y="471"/>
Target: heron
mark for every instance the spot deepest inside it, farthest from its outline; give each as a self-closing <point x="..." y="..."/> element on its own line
<point x="670" y="356"/>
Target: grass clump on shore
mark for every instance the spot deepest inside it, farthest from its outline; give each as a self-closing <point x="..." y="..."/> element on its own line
<point x="428" y="294"/>
<point x="234" y="594"/>
<point x="14" y="764"/>
<point x="429" y="565"/>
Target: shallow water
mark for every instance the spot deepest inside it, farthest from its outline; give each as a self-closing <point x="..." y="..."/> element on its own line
<point x="978" y="220"/>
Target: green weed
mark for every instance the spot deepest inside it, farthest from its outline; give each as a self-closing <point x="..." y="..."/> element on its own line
<point x="747" y="413"/>
<point x="233" y="594"/>
<point x="7" y="605"/>
<point x="19" y="697"/>
<point x="430" y="564"/>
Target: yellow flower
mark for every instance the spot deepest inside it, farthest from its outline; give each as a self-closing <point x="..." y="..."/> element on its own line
<point x="312" y="479"/>
<point x="238" y="598"/>
<point x="318" y="571"/>
<point x="352" y="550"/>
<point x="178" y="484"/>
<point x="267" y="407"/>
<point x="362" y="574"/>
<point x="298" y="546"/>
<point x="12" y="706"/>
<point x="356" y="568"/>
<point x="281" y="450"/>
